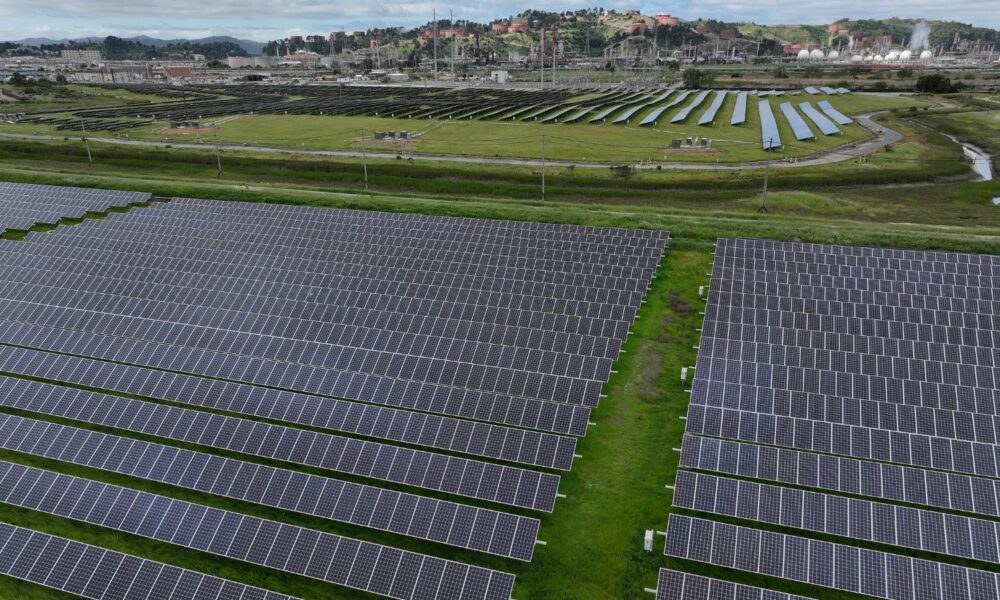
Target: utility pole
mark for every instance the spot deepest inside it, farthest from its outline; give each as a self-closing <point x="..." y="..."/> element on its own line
<point x="86" y="142"/>
<point x="543" y="166"/>
<point x="364" y="158"/>
<point x="541" y="60"/>
<point x="555" y="48"/>
<point x="218" y="151"/>
<point x="454" y="40"/>
<point x="767" y="168"/>
<point x="435" y="30"/>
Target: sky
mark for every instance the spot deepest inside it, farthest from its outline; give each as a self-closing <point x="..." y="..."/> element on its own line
<point x="264" y="20"/>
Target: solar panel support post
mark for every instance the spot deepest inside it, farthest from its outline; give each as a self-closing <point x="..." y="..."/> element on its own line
<point x="435" y="45"/>
<point x="218" y="153"/>
<point x="86" y="142"/>
<point x="767" y="169"/>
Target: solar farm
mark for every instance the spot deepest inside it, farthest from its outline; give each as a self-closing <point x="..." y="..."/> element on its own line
<point x="629" y="123"/>
<point x="847" y="397"/>
<point x="420" y="377"/>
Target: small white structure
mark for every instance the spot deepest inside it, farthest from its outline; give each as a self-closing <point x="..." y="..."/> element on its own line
<point x="816" y="54"/>
<point x="803" y="54"/>
<point x="926" y="55"/>
<point x="893" y="56"/>
<point x="833" y="55"/>
<point x="857" y="58"/>
<point x="647" y="542"/>
<point x="397" y="77"/>
<point x="499" y="76"/>
<point x="905" y="55"/>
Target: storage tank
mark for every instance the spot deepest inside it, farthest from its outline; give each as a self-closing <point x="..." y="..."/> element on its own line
<point x="926" y="55"/>
<point x="879" y="58"/>
<point x="893" y="56"/>
<point x="816" y="54"/>
<point x="833" y="55"/>
<point x="803" y="54"/>
<point x="905" y="55"/>
<point x="857" y="58"/>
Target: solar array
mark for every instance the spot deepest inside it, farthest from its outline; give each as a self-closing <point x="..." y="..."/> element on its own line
<point x="92" y="572"/>
<point x="654" y="115"/>
<point x="444" y="367"/>
<point x="22" y="206"/>
<point x="770" y="138"/>
<point x="740" y="110"/>
<point x="825" y="125"/>
<point x="677" y="585"/>
<point x="833" y="113"/>
<point x="708" y="117"/>
<point x="799" y="127"/>
<point x="846" y="393"/>
<point x="684" y="112"/>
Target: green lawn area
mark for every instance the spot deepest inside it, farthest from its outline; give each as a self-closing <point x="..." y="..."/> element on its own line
<point x="74" y="96"/>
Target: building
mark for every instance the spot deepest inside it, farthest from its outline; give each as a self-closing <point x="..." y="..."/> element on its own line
<point x="83" y="56"/>
<point x="498" y="27"/>
<point x="499" y="76"/>
<point x="667" y="19"/>
<point x="631" y="12"/>
<point x="518" y="27"/>
<point x="239" y="62"/>
<point x="637" y="28"/>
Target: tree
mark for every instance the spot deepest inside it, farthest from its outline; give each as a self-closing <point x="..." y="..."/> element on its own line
<point x="696" y="78"/>
<point x="935" y="83"/>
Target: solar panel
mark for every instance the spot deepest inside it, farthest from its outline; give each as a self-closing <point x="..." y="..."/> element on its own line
<point x="820" y="563"/>
<point x="889" y="524"/>
<point x="828" y="90"/>
<point x="739" y="110"/>
<point x="628" y="113"/>
<point x="684" y="112"/>
<point x="654" y="115"/>
<point x="605" y="112"/>
<point x="833" y="113"/>
<point x="677" y="585"/>
<point x="420" y="429"/>
<point x="811" y="90"/>
<point x="473" y="528"/>
<point x="92" y="572"/>
<point x="324" y="556"/>
<point x="770" y="138"/>
<point x="824" y="124"/>
<point x="708" y="117"/>
<point x="22" y="206"/>
<point x="795" y="120"/>
<point x="416" y="468"/>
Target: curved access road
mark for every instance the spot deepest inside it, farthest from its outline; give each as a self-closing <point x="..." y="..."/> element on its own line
<point x="881" y="137"/>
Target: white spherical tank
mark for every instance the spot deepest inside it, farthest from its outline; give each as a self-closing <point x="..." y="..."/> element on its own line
<point x="803" y="54"/>
<point x="905" y="55"/>
<point x="816" y="54"/>
<point x="857" y="58"/>
<point x="879" y="58"/>
<point x="926" y="55"/>
<point x="893" y="56"/>
<point x="833" y="55"/>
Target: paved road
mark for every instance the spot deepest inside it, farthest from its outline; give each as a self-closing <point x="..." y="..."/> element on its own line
<point x="881" y="137"/>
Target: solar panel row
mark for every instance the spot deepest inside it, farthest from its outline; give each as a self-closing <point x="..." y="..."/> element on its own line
<point x="676" y="585"/>
<point x="890" y="524"/>
<point x="836" y="473"/>
<point x="24" y="205"/>
<point x="739" y="110"/>
<point x="824" y="564"/>
<point x="91" y="572"/>
<point x="344" y="561"/>
<point x="708" y="117"/>
<point x="684" y="112"/>
<point x="824" y="124"/>
<point x="495" y="483"/>
<point x="654" y="115"/>
<point x="795" y="120"/>
<point x="421" y="429"/>
<point x="463" y="526"/>
<point x="770" y="138"/>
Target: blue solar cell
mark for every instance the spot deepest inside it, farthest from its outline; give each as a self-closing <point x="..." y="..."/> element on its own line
<point x="626" y="115"/>
<point x="811" y="91"/>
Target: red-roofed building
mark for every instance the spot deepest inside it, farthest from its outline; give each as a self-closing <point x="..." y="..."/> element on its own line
<point x="637" y="28"/>
<point x="499" y="27"/>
